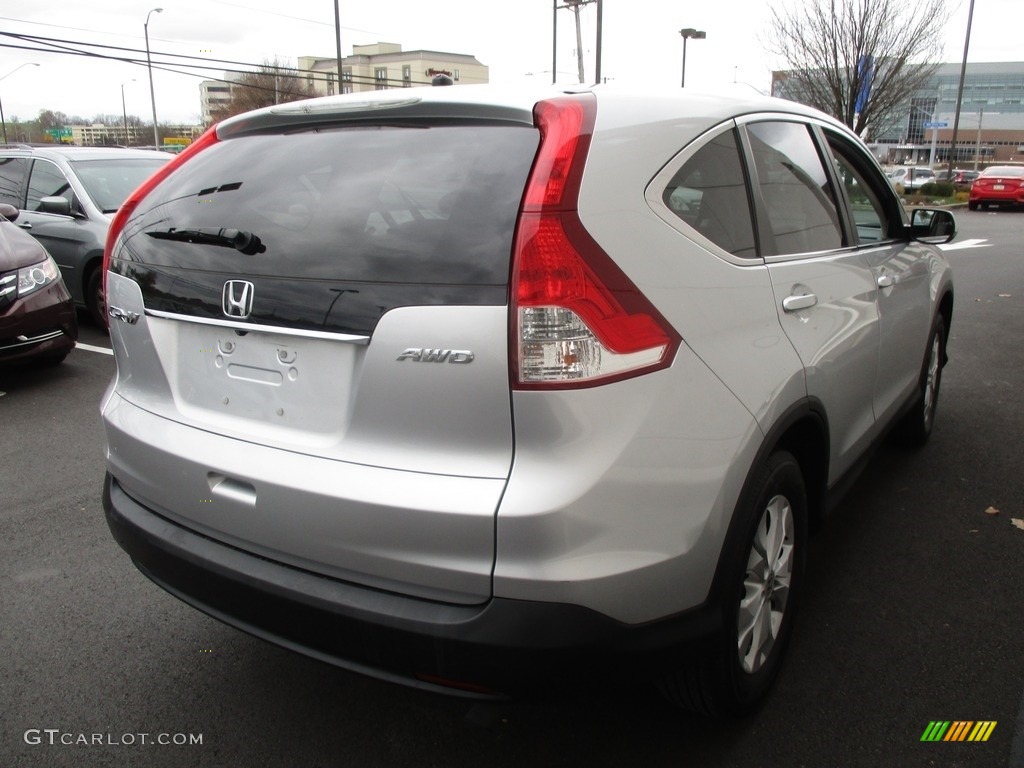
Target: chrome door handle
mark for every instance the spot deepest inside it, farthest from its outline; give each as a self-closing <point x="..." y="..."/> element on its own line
<point x="798" y="302"/>
<point x="26" y="225"/>
<point x="886" y="281"/>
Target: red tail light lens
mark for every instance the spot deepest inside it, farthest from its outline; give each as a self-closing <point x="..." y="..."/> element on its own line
<point x="577" y="319"/>
<point x="132" y="201"/>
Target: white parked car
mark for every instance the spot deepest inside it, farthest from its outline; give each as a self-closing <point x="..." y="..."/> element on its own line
<point x="482" y="389"/>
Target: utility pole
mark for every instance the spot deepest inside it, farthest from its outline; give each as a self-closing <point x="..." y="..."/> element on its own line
<point x="149" y="66"/>
<point x="574" y="6"/>
<point x="337" y="38"/>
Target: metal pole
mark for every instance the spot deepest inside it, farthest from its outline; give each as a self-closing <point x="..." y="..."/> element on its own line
<point x="977" y="147"/>
<point x="597" y="64"/>
<point x="960" y="91"/>
<point x="682" y="82"/>
<point x="686" y="34"/>
<point x="554" y="41"/>
<point x="149" y="66"/>
<point x="124" y="112"/>
<point x="337" y="35"/>
<point x="580" y="70"/>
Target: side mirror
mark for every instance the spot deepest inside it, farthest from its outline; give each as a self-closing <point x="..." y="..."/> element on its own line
<point x="8" y="211"/>
<point x="932" y="225"/>
<point x="58" y="205"/>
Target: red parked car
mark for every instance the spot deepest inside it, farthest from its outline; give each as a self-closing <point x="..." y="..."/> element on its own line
<point x="37" y="315"/>
<point x="998" y="185"/>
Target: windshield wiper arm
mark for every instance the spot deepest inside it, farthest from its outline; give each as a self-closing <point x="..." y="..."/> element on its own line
<point x="242" y="241"/>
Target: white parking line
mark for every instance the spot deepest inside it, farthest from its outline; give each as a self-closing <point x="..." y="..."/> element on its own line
<point x="91" y="348"/>
<point x="976" y="242"/>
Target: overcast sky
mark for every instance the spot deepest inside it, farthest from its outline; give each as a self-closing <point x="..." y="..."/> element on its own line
<point x="512" y="37"/>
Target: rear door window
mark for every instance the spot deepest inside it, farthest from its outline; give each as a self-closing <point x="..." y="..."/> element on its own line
<point x="802" y="215"/>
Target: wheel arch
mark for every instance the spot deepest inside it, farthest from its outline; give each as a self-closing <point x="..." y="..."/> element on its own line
<point x="802" y="430"/>
<point x="946" y="310"/>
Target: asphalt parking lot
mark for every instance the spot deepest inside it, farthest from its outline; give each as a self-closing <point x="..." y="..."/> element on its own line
<point x="914" y="611"/>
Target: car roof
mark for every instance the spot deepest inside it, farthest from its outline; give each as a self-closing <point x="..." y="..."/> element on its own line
<point x="516" y="102"/>
<point x="1003" y="170"/>
<point x="78" y="153"/>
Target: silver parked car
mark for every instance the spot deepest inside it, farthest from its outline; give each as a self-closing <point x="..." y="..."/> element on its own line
<point x="912" y="178"/>
<point x="483" y="390"/>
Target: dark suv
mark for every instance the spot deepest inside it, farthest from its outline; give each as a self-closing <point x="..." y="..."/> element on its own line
<point x="66" y="196"/>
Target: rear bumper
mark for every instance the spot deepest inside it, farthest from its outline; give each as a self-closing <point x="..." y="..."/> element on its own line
<point x="1014" y="197"/>
<point x="497" y="648"/>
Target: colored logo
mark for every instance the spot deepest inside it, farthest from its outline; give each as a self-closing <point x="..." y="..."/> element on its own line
<point x="958" y="730"/>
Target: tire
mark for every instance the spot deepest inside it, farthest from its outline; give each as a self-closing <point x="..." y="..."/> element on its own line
<point x="761" y="582"/>
<point x="972" y="205"/>
<point x="915" y="427"/>
<point x="94" y="299"/>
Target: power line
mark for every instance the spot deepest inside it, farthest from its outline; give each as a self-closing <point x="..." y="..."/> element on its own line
<point x="62" y="46"/>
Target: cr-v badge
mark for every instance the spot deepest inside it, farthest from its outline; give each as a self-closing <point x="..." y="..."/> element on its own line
<point x="421" y="355"/>
<point x="236" y="299"/>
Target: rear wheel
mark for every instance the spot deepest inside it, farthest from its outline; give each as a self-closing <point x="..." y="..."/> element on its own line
<point x="94" y="300"/>
<point x="763" y="577"/>
<point x="915" y="427"/>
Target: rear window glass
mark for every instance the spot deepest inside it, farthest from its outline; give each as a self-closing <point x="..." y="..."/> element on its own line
<point x="110" y="180"/>
<point x="413" y="203"/>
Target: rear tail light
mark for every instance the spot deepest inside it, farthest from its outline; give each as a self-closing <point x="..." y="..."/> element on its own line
<point x="577" y="320"/>
<point x="132" y="201"/>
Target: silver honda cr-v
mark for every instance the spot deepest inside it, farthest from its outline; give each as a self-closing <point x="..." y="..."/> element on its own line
<point x="486" y="390"/>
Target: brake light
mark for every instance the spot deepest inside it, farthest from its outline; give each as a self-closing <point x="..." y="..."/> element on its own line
<point x="208" y="137"/>
<point x="577" y="319"/>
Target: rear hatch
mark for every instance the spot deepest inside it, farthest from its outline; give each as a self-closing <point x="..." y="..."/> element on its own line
<point x="328" y="299"/>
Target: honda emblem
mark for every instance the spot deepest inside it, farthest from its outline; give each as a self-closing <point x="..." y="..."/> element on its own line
<point x="236" y="299"/>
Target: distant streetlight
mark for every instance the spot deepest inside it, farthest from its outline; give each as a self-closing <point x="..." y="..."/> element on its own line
<point x="124" y="111"/>
<point x="687" y="33"/>
<point x="149" y="66"/>
<point x="3" y="123"/>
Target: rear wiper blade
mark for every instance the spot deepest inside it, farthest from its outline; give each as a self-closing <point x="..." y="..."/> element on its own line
<point x="239" y="239"/>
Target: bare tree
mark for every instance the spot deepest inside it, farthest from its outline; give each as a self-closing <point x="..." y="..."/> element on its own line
<point x="272" y="83"/>
<point x="858" y="60"/>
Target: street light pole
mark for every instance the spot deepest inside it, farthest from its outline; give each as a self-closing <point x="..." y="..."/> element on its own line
<point x="149" y="66"/>
<point x="124" y="112"/>
<point x="3" y="122"/>
<point x="960" y="90"/>
<point x="687" y="33"/>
